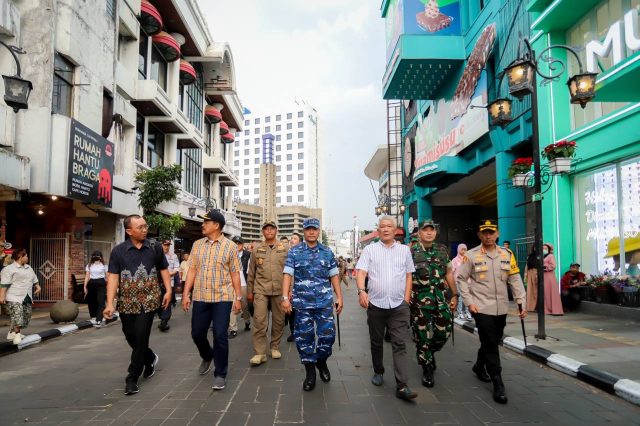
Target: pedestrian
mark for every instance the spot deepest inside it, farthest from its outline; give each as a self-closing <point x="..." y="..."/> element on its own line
<point x="174" y="269"/>
<point x="244" y="257"/>
<point x="295" y="239"/>
<point x="184" y="269"/>
<point x="552" y="301"/>
<point x="290" y="317"/>
<point x="264" y="288"/>
<point x="389" y="267"/>
<point x="95" y="288"/>
<point x="531" y="278"/>
<point x="214" y="276"/>
<point x="350" y="268"/>
<point x="134" y="269"/>
<point x="463" y="311"/>
<point x="284" y="240"/>
<point x="570" y="283"/>
<point x="313" y="270"/>
<point x="431" y="317"/>
<point x="482" y="281"/>
<point x="18" y="285"/>
<point x="342" y="274"/>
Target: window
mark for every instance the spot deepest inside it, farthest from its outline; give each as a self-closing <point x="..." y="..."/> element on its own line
<point x="192" y="166"/>
<point x="246" y="122"/>
<point x="289" y="126"/>
<point x="246" y="192"/>
<point x="256" y="151"/>
<point x="246" y="182"/>
<point x="143" y="55"/>
<point x="300" y="144"/>
<point x="278" y="127"/>
<point x="300" y="155"/>
<point x="246" y="132"/>
<point x="195" y="99"/>
<point x="278" y="117"/>
<point x="289" y="178"/>
<point x="236" y="143"/>
<point x="300" y="114"/>
<point x="246" y="161"/>
<point x="300" y="176"/>
<point x="289" y="157"/>
<point x="208" y="135"/>
<point x="256" y="121"/>
<point x="256" y="130"/>
<point x="301" y="187"/>
<point x="246" y="142"/>
<point x="300" y="166"/>
<point x="246" y="151"/>
<point x="62" y="86"/>
<point x="278" y="200"/>
<point x="278" y="158"/>
<point x="256" y="190"/>
<point x="107" y="113"/>
<point x="301" y="198"/>
<point x="289" y="188"/>
<point x="111" y="8"/>
<point x="236" y="163"/>
<point x="300" y="124"/>
<point x="278" y="179"/>
<point x="289" y="136"/>
<point x="256" y="170"/>
<point x="236" y="152"/>
<point x="278" y="148"/>
<point x="256" y="140"/>
<point x="289" y="116"/>
<point x="267" y="129"/>
<point x="278" y="138"/>
<point x="289" y="167"/>
<point x="155" y="147"/>
<point x="267" y="119"/>
<point x="256" y="180"/>
<point x="158" y="69"/>
<point x="140" y="138"/>
<point x="289" y="199"/>
<point x="257" y="161"/>
<point x="300" y="136"/>
<point x="289" y="147"/>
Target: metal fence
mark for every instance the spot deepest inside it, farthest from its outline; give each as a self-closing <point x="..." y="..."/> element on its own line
<point x="96" y="245"/>
<point x="49" y="258"/>
<point x="523" y="247"/>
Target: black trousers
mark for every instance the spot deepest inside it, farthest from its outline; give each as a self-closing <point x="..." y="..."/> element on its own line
<point x="96" y="297"/>
<point x="290" y="318"/>
<point x="137" y="329"/>
<point x="490" y="331"/>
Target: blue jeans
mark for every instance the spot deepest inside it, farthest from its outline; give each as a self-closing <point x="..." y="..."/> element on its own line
<point x="202" y="315"/>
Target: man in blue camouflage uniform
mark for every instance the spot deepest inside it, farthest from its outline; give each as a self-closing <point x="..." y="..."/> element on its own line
<point x="314" y="271"/>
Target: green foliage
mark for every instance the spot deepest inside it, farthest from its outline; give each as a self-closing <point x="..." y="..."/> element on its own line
<point x="325" y="238"/>
<point x="156" y="186"/>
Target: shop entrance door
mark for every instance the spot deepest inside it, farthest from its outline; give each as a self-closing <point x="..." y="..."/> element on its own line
<point x="49" y="258"/>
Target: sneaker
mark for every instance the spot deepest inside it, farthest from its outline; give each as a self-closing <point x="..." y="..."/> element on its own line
<point x="18" y="338"/>
<point x="205" y="367"/>
<point x="131" y="386"/>
<point x="377" y="380"/>
<point x="11" y="335"/>
<point x="275" y="354"/>
<point x="93" y="320"/>
<point x="233" y="334"/>
<point x="258" y="359"/>
<point x="469" y="316"/>
<point x="406" y="394"/>
<point x="218" y="383"/>
<point x="150" y="370"/>
<point x="247" y="326"/>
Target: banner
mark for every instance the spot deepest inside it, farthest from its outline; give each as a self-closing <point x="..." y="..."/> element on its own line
<point x="90" y="166"/>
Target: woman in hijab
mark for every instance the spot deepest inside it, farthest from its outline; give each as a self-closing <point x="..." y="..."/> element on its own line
<point x="531" y="278"/>
<point x="463" y="311"/>
<point x="552" y="301"/>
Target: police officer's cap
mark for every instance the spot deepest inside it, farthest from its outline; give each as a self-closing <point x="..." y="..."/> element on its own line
<point x="311" y="222"/>
<point x="215" y="216"/>
<point x="269" y="223"/>
<point x="488" y="225"/>
<point x="237" y="240"/>
<point x="428" y="222"/>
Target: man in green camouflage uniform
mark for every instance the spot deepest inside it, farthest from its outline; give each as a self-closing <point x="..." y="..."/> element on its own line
<point x="431" y="318"/>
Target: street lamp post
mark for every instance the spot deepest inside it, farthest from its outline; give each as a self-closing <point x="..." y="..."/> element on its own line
<point x="16" y="89"/>
<point x="522" y="80"/>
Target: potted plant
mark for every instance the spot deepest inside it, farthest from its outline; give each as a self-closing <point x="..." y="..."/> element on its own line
<point x="559" y="155"/>
<point x="518" y="172"/>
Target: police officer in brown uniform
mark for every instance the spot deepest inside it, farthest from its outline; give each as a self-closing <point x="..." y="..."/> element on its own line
<point x="489" y="269"/>
<point x="264" y="288"/>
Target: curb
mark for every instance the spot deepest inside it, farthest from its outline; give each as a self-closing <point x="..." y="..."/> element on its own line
<point x="626" y="389"/>
<point x="7" y="348"/>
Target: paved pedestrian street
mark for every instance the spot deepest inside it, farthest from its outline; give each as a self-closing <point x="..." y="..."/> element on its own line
<point x="79" y="379"/>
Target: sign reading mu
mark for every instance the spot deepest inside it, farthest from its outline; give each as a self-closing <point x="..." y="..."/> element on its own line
<point x="617" y="41"/>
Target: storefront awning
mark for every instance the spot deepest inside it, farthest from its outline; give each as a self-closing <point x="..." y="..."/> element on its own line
<point x="227" y="138"/>
<point x="213" y="114"/>
<point x="168" y="46"/>
<point x="224" y="128"/>
<point x="187" y="73"/>
<point x="150" y="19"/>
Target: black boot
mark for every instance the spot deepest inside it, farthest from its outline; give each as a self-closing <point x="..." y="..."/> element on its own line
<point x="164" y="325"/>
<point x="309" y="381"/>
<point x="499" y="394"/>
<point x="325" y="375"/>
<point x="427" y="376"/>
<point x="481" y="373"/>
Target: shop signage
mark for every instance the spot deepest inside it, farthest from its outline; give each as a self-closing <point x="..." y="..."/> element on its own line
<point x="623" y="35"/>
<point x="90" y="166"/>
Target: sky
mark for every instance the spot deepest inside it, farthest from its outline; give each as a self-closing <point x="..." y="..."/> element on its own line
<point x="330" y="53"/>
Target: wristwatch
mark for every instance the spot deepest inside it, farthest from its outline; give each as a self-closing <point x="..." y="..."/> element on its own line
<point x="283" y="298"/>
<point x="239" y="298"/>
<point x="360" y="290"/>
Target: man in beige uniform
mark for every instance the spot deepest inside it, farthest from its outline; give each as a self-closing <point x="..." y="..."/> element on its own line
<point x="264" y="287"/>
<point x="489" y="269"/>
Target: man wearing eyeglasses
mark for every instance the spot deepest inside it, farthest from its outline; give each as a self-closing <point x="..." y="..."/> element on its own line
<point x="134" y="269"/>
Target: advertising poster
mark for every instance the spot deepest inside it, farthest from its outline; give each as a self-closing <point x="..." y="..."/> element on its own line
<point x="90" y="166"/>
<point x="432" y="17"/>
<point x="393" y="25"/>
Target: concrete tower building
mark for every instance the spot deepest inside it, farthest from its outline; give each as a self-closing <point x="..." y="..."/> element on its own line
<point x="268" y="179"/>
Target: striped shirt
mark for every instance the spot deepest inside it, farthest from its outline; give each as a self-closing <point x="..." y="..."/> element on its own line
<point x="213" y="262"/>
<point x="387" y="269"/>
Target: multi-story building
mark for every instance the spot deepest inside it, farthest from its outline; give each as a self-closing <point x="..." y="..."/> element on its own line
<point x="296" y="155"/>
<point x="120" y="86"/>
<point x="288" y="218"/>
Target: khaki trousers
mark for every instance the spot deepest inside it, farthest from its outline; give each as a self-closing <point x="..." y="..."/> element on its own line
<point x="261" y="322"/>
<point x="233" y="319"/>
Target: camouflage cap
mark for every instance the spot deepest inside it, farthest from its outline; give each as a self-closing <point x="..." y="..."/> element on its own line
<point x="269" y="223"/>
<point x="311" y="222"/>
<point x="428" y="222"/>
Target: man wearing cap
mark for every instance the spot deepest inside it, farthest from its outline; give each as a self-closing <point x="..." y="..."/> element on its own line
<point x="264" y="288"/>
<point x="569" y="284"/>
<point x="174" y="267"/>
<point x="431" y="318"/>
<point x="489" y="269"/>
<point x="244" y="256"/>
<point x="314" y="271"/>
<point x="214" y="276"/>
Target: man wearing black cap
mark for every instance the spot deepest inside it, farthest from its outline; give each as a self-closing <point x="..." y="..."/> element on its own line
<point x="570" y="282"/>
<point x="214" y="276"/>
<point x="482" y="282"/>
<point x="264" y="288"/>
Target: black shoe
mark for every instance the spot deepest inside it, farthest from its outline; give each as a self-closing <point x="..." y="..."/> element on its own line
<point x="150" y="370"/>
<point x="205" y="367"/>
<point x="406" y="394"/>
<point x="325" y="375"/>
<point x="427" y="376"/>
<point x="481" y="373"/>
<point x="131" y="386"/>
<point x="387" y="336"/>
<point x="499" y="394"/>
<point x="309" y="381"/>
<point x="164" y="325"/>
<point x="233" y="334"/>
<point x="290" y="338"/>
<point x="247" y="326"/>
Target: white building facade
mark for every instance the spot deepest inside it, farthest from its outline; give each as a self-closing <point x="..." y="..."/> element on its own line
<point x="296" y="154"/>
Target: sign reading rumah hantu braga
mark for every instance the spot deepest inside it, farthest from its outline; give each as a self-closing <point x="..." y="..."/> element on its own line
<point x="90" y="166"/>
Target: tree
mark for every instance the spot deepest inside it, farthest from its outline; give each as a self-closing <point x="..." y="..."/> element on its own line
<point x="325" y="238"/>
<point x="156" y="186"/>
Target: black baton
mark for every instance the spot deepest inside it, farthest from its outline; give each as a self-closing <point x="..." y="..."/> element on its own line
<point x="338" y="321"/>
<point x="524" y="334"/>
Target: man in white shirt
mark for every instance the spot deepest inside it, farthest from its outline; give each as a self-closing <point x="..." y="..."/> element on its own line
<point x="389" y="267"/>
